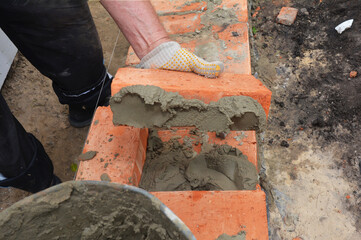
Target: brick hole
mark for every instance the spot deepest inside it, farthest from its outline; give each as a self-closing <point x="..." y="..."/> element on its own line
<point x="172" y="154"/>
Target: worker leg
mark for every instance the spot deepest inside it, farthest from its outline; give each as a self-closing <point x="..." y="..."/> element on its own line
<point x="60" y="39"/>
<point x="23" y="161"/>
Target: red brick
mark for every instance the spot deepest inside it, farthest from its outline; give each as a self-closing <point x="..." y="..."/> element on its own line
<point x="121" y="148"/>
<point x="210" y="214"/>
<point x="239" y="6"/>
<point x="180" y="24"/>
<point x="237" y="47"/>
<point x="168" y="7"/>
<point x="287" y="15"/>
<point x="192" y="86"/>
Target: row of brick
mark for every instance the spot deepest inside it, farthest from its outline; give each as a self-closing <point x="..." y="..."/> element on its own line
<point x="228" y="41"/>
<point x="121" y="152"/>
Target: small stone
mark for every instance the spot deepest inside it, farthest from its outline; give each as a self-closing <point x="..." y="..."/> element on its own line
<point x="221" y="135"/>
<point x="281" y="104"/>
<point x="304" y="11"/>
<point x="285" y="144"/>
<point x="188" y="153"/>
<point x="105" y="178"/>
<point x="353" y="74"/>
<point x="287" y="16"/>
<point x="235" y="34"/>
<point x="318" y="122"/>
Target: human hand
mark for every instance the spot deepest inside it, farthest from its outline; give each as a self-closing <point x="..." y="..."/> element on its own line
<point x="171" y="56"/>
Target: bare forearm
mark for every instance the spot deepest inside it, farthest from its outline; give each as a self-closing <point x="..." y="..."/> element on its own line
<point x="138" y="22"/>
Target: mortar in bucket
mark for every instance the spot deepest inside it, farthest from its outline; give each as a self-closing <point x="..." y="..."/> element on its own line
<point x="91" y="210"/>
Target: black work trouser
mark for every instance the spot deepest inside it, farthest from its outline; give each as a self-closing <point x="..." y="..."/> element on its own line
<point x="60" y="39"/>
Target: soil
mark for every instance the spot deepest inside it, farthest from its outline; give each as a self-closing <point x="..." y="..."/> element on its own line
<point x="90" y="210"/>
<point x="172" y="166"/>
<point x="311" y="147"/>
<point x="150" y="106"/>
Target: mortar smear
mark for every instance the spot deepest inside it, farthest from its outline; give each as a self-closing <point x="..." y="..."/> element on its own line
<point x="150" y="106"/>
<point x="171" y="166"/>
<point x="87" y="156"/>
<point x="240" y="236"/>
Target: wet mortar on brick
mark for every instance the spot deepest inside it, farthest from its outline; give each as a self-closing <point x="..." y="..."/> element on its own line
<point x="240" y="236"/>
<point x="174" y="165"/>
<point x="209" y="46"/>
<point x="87" y="156"/>
<point x="150" y="106"/>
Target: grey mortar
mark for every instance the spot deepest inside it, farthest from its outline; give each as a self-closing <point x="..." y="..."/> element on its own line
<point x="150" y="106"/>
<point x="240" y="236"/>
<point x="87" y="156"/>
<point x="172" y="166"/>
<point x="87" y="210"/>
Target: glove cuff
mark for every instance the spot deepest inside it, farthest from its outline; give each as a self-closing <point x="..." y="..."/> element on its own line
<point x="159" y="55"/>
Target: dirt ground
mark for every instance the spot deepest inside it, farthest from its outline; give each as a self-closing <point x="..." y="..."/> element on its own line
<point x="311" y="148"/>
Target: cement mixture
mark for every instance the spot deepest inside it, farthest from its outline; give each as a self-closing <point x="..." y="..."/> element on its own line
<point x="87" y="156"/>
<point x="240" y="236"/>
<point x="150" y="106"/>
<point x="171" y="166"/>
<point x="88" y="210"/>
